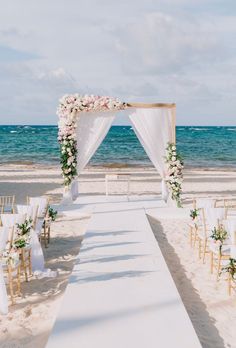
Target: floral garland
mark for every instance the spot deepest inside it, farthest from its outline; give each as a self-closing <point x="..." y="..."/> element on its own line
<point x="174" y="178"/>
<point x="68" y="111"/>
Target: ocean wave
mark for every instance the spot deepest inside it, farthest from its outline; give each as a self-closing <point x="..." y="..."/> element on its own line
<point x="199" y="129"/>
<point x="13" y="131"/>
<point x="232" y="129"/>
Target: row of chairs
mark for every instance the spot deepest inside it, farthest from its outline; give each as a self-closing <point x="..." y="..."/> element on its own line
<point x="210" y="214"/>
<point x="37" y="211"/>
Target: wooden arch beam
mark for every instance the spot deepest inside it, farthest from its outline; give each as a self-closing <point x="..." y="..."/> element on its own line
<point x="151" y="105"/>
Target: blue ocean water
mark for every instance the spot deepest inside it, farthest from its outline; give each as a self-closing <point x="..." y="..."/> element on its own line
<point x="199" y="146"/>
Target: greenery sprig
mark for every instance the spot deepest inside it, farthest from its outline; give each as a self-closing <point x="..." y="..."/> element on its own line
<point x="52" y="213"/>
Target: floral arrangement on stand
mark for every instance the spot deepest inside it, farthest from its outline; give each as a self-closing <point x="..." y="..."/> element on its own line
<point x="174" y="177"/>
<point x="68" y="111"/>
<point x="230" y="268"/>
<point x="52" y="214"/>
<point x="194" y="213"/>
<point x="219" y="235"/>
<point x="10" y="255"/>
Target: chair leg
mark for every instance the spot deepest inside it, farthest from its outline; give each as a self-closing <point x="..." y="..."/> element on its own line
<point x="218" y="267"/>
<point x="212" y="262"/>
<point x="49" y="234"/>
<point x="11" y="285"/>
<point x="199" y="248"/>
<point x="191" y="236"/>
<point x="24" y="266"/>
<point x="195" y="237"/>
<point x="45" y="236"/>
<point x="229" y="284"/>
<point x="30" y="263"/>
<point x="204" y="251"/>
<point x="18" y="281"/>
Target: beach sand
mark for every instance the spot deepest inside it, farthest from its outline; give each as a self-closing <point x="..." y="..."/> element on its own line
<point x="212" y="312"/>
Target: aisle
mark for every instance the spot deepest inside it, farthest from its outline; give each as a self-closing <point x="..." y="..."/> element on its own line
<point x="120" y="293"/>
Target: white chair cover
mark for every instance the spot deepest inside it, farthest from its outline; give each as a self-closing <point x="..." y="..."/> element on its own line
<point x="29" y="210"/>
<point x="10" y="220"/>
<point x="3" y="293"/>
<point x="4" y="233"/>
<point x="37" y="257"/>
<point x="213" y="216"/>
<point x="230" y="226"/>
<point x="205" y="203"/>
<point x="41" y="202"/>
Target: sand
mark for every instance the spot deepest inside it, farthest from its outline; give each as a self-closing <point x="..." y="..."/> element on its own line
<point x="212" y="312"/>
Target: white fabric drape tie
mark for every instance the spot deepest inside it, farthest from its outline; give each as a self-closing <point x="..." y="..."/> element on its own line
<point x="153" y="128"/>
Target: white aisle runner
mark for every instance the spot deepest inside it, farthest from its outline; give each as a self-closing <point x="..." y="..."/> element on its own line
<point x="120" y="293"/>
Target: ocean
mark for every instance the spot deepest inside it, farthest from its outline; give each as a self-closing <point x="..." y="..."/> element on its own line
<point x="199" y="146"/>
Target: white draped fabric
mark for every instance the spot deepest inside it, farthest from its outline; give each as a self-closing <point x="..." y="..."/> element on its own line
<point x="37" y="257"/>
<point x="4" y="233"/>
<point x="153" y="128"/>
<point x="92" y="128"/>
<point x="213" y="216"/>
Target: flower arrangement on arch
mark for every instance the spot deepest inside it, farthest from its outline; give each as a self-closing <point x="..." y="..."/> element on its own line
<point x="175" y="167"/>
<point x="68" y="111"/>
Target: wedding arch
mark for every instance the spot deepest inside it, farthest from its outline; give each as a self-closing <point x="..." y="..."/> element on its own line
<point x="84" y="121"/>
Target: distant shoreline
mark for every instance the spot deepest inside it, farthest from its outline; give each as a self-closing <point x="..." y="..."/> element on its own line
<point x="107" y="166"/>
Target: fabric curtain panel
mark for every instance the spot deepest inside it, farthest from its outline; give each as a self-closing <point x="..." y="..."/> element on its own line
<point x="92" y="128"/>
<point x="153" y="128"/>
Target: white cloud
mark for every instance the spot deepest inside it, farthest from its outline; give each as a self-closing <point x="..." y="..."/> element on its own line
<point x="181" y="51"/>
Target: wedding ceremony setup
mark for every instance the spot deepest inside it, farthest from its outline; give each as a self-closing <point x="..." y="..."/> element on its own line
<point x="120" y="281"/>
<point x="121" y="289"/>
<point x="84" y="122"/>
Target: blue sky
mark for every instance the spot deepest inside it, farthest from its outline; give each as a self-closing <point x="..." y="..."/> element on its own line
<point x="181" y="51"/>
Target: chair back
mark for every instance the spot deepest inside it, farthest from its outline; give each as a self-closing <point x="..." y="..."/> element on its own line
<point x="5" y="237"/>
<point x="200" y="203"/>
<point x="31" y="212"/>
<point x="230" y="227"/>
<point x="213" y="216"/>
<point x="10" y="220"/>
<point x="41" y="202"/>
<point x="7" y="204"/>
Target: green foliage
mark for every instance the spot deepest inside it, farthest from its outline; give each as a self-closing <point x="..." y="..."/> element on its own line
<point x="194" y="213"/>
<point x="230" y="268"/>
<point x="52" y="213"/>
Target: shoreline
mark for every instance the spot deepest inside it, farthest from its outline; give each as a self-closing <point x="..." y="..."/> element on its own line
<point x="109" y="166"/>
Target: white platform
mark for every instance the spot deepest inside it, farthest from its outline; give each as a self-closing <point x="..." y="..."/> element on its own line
<point x="120" y="293"/>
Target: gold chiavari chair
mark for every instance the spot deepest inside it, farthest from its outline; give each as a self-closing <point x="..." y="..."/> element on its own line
<point x="11" y="269"/>
<point x="31" y="213"/>
<point x="43" y="221"/>
<point x="208" y="215"/>
<point x="218" y="255"/>
<point x="7" y="204"/>
<point x="196" y="224"/>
